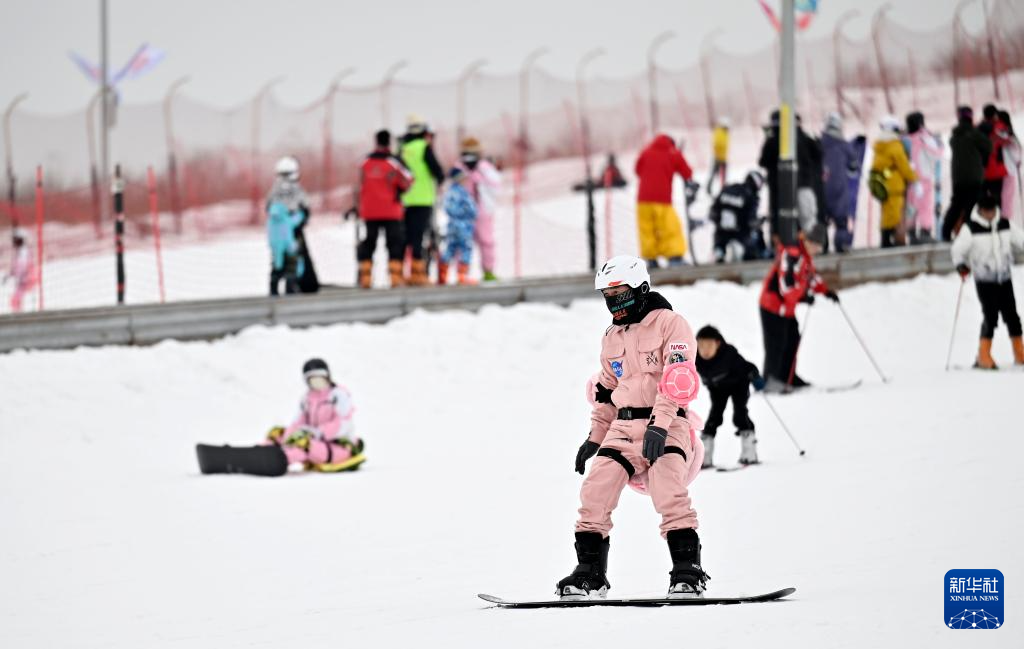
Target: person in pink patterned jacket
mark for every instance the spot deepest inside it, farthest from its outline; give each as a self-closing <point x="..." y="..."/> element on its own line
<point x="484" y="185"/>
<point x="639" y="425"/>
<point x="23" y="269"/>
<point x="924" y="150"/>
<point x="322" y="437"/>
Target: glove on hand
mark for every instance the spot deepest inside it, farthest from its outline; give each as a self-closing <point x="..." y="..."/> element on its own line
<point x="300" y="438"/>
<point x="275" y="434"/>
<point x="602" y="394"/>
<point x="654" y="443"/>
<point x="757" y="381"/>
<point x="587" y="450"/>
<point x="832" y="295"/>
<point x="964" y="270"/>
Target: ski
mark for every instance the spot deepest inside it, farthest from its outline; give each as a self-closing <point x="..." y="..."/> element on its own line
<point x="648" y="602"/>
<point x="736" y="467"/>
<point x="253" y="460"/>
<point x="841" y="387"/>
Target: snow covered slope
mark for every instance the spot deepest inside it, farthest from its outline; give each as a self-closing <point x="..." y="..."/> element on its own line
<point x="111" y="539"/>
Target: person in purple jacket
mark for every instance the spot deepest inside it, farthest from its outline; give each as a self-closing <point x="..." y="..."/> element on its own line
<point x="839" y="164"/>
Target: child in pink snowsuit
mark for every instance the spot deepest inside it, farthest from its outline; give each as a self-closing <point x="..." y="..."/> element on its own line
<point x="322" y="435"/>
<point x="23" y="270"/>
<point x="638" y="425"/>
<point x="484" y="183"/>
<point x="925" y="150"/>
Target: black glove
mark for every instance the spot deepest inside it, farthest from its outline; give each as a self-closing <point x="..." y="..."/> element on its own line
<point x="352" y="213"/>
<point x="964" y="270"/>
<point x="587" y="450"/>
<point x="757" y="381"/>
<point x="654" y="443"/>
<point x="808" y="299"/>
<point x="603" y="394"/>
<point x="832" y="295"/>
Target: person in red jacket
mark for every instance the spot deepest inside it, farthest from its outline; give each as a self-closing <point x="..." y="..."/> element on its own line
<point x="660" y="232"/>
<point x="792" y="279"/>
<point x="382" y="179"/>
<point x="995" y="168"/>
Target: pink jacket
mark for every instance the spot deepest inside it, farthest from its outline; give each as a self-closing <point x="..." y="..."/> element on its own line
<point x="328" y="413"/>
<point x="633" y="358"/>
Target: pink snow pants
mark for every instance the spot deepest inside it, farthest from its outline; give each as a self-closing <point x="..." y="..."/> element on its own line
<point x="921" y="199"/>
<point x="666" y="478"/>
<point x="319" y="452"/>
<point x="484" y="236"/>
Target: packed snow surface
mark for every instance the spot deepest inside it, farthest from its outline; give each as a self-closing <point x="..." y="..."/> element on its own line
<point x="111" y="538"/>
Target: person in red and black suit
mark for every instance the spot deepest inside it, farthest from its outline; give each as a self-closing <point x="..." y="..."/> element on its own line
<point x="791" y="280"/>
<point x="382" y="179"/>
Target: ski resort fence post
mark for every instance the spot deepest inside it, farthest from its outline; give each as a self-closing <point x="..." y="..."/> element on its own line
<point x="151" y="181"/>
<point x="876" y="28"/>
<point x="39" y="232"/>
<point x="517" y="203"/>
<point x="956" y="316"/>
<point x="117" y="189"/>
<point x="607" y="213"/>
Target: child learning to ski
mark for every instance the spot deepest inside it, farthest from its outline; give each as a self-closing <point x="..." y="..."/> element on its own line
<point x="322" y="437"/>
<point x="639" y="425"/>
<point x="462" y="213"/>
<point x="726" y="375"/>
<point x="984" y="246"/>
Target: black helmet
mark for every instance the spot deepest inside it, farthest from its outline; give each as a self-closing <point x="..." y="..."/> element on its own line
<point x="755" y="180"/>
<point x="315" y="367"/>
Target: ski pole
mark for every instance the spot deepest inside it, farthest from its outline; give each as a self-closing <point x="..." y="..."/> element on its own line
<point x="861" y="341"/>
<point x="783" y="424"/>
<point x="956" y="316"/>
<point x="803" y="332"/>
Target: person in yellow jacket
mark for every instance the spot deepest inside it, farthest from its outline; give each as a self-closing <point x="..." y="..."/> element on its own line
<point x="720" y="153"/>
<point x="892" y="163"/>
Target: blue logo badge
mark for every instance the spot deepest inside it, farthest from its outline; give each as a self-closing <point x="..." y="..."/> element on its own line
<point x="617" y="368"/>
<point x="974" y="599"/>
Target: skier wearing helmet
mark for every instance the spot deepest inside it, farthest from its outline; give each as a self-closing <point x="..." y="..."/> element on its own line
<point x="640" y="426"/>
<point x="734" y="214"/>
<point x="299" y="275"/>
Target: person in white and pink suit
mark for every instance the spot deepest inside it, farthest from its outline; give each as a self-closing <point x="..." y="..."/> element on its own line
<point x="641" y="427"/>
<point x="23" y="271"/>
<point x="484" y="184"/>
<point x="923" y="150"/>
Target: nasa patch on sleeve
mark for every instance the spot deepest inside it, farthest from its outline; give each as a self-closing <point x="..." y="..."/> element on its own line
<point x="677" y="352"/>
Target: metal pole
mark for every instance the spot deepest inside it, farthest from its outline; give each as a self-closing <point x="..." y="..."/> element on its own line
<point x="585" y="146"/>
<point x="117" y="189"/>
<point x="956" y="316"/>
<point x="254" y="151"/>
<point x="327" y="172"/>
<point x="385" y="91"/>
<point x="788" y="217"/>
<point x="993" y="68"/>
<point x="876" y="25"/>
<point x="837" y="60"/>
<point x="11" y="179"/>
<point x="652" y="77"/>
<point x="783" y="424"/>
<point x="104" y="110"/>
<point x="460" y="98"/>
<point x="94" y="176"/>
<point x="705" y="75"/>
<point x="172" y="162"/>
<point x="861" y="341"/>
<point x="524" y="103"/>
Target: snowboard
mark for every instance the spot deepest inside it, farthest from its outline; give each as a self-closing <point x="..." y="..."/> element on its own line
<point x="649" y="602"/>
<point x="253" y="460"/>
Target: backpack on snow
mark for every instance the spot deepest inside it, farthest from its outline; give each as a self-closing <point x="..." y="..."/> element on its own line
<point x="876" y="184"/>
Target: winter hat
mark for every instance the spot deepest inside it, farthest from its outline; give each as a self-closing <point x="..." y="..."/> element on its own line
<point x="415" y="124"/>
<point x="965" y="113"/>
<point x="755" y="179"/>
<point x="890" y="124"/>
<point x="315" y="367"/>
<point x="834" y="122"/>
<point x="456" y="174"/>
<point x="724" y="121"/>
<point x="471" y="145"/>
<point x="708" y="332"/>
<point x="988" y="201"/>
<point x="989" y="111"/>
<point x="915" y="122"/>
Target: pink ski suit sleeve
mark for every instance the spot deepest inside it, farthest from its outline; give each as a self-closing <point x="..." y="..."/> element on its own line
<point x="680" y="346"/>
<point x="327" y="412"/>
<point x="603" y="414"/>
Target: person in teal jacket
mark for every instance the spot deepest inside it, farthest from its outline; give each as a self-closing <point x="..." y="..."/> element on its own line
<point x="418" y="155"/>
<point x="285" y="259"/>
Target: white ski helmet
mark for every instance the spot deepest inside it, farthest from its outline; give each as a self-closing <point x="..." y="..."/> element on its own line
<point x="889" y="123"/>
<point x="288" y="168"/>
<point x="620" y="270"/>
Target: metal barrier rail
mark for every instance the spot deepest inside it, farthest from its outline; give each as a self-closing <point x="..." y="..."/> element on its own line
<point x="208" y="319"/>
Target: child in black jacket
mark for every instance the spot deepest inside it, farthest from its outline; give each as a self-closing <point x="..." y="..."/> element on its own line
<point x="726" y="374"/>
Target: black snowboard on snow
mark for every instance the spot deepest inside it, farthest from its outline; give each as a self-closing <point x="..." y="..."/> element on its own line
<point x="252" y="460"/>
<point x="658" y="601"/>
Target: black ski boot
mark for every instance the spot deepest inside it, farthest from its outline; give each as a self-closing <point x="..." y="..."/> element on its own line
<point x="687" y="578"/>
<point x="588" y="580"/>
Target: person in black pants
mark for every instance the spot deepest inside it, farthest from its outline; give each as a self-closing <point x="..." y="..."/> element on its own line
<point x="971" y="150"/>
<point x="726" y="375"/>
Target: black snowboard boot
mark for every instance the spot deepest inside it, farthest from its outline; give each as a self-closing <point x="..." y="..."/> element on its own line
<point x="588" y="580"/>
<point x="687" y="578"/>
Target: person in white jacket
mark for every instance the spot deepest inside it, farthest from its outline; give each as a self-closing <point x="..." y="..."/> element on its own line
<point x="985" y="246"/>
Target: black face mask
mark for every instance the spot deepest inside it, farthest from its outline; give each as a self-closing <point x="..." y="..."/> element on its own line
<point x="470" y="160"/>
<point x="626" y="306"/>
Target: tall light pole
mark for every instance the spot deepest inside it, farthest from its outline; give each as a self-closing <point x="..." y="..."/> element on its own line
<point x="327" y="159"/>
<point x="876" y="29"/>
<point x="460" y="97"/>
<point x="94" y="174"/>
<point x="705" y="75"/>
<point x="105" y="112"/>
<point x="837" y="34"/>
<point x="957" y="28"/>
<point x="652" y="76"/>
<point x="172" y="158"/>
<point x="524" y="101"/>
<point x="9" y="156"/>
<point x="585" y="142"/>
<point x="788" y="217"/>
<point x="385" y="91"/>
<point x="254" y="153"/>
<point x="993" y="67"/>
